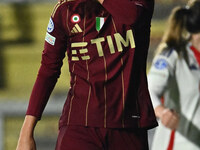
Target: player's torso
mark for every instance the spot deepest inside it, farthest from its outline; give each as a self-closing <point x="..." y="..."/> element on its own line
<point x="95" y="38"/>
<point x="104" y="79"/>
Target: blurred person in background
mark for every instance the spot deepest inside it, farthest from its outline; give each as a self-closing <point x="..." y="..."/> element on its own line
<point x="108" y="105"/>
<point x="174" y="82"/>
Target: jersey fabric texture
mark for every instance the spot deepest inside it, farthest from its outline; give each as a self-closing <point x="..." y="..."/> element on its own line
<point x="178" y="81"/>
<point x="107" y="49"/>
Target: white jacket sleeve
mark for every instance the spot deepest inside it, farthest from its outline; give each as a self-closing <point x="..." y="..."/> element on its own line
<point x="162" y="68"/>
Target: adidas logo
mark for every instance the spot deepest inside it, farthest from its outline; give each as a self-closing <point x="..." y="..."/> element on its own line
<point x="76" y="29"/>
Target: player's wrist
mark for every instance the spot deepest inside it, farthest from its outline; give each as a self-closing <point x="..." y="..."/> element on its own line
<point x="28" y="127"/>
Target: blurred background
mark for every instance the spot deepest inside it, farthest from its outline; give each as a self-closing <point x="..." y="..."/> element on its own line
<point x="23" y="26"/>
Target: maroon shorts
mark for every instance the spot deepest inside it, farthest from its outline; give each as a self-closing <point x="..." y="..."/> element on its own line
<point x="89" y="138"/>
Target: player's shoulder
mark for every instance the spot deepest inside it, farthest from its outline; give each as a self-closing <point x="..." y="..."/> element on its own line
<point x="169" y="54"/>
<point x="166" y="58"/>
<point x="62" y="6"/>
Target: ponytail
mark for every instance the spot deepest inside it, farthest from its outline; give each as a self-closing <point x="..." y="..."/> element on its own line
<point x="182" y="22"/>
<point x="176" y="35"/>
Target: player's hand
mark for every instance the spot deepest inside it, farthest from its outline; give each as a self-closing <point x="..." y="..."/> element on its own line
<point x="169" y="118"/>
<point x="101" y="1"/>
<point x="25" y="143"/>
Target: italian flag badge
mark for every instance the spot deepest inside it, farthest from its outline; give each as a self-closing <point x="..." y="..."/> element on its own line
<point x="99" y="23"/>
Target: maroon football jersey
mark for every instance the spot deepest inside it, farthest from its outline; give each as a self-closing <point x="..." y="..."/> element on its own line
<point x="107" y="49"/>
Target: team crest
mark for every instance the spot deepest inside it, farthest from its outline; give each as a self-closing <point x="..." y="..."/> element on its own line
<point x="99" y="23"/>
<point x="75" y="18"/>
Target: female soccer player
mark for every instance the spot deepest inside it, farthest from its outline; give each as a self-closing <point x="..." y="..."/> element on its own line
<point x="108" y="105"/>
<point x="175" y="76"/>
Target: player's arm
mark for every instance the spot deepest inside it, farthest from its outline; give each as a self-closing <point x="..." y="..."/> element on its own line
<point x="52" y="56"/>
<point x="158" y="78"/>
<point x="124" y="11"/>
<point x="52" y="61"/>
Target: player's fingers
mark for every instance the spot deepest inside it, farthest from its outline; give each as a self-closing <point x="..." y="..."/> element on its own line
<point x="166" y="115"/>
<point x="170" y="120"/>
<point x="174" y="122"/>
<point x="175" y="119"/>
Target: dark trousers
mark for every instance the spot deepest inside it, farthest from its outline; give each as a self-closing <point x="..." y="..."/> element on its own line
<point x="89" y="138"/>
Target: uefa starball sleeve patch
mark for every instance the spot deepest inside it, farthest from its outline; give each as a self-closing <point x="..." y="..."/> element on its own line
<point x="161" y="64"/>
<point x="50" y="26"/>
<point x="50" y="39"/>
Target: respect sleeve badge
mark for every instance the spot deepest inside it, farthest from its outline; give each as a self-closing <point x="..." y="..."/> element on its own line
<point x="50" y="39"/>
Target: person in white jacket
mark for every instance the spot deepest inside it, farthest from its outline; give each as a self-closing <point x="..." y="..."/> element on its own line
<point x="174" y="82"/>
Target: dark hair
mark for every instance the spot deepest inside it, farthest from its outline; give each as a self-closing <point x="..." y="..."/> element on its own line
<point x="176" y="35"/>
<point x="193" y="18"/>
<point x="182" y="22"/>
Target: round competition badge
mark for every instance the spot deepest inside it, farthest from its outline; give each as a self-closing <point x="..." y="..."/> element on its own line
<point x="161" y="64"/>
<point x="50" y="27"/>
<point x="75" y="18"/>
